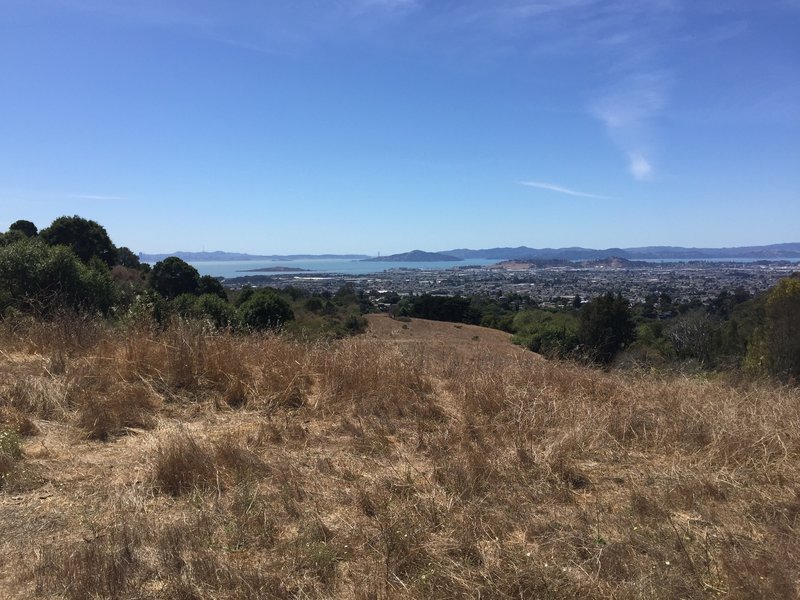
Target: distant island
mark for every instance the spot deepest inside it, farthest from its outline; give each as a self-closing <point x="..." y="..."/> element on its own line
<point x="415" y="256"/>
<point x="271" y="270"/>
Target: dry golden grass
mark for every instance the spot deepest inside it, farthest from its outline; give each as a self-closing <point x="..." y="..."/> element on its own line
<point x="417" y="462"/>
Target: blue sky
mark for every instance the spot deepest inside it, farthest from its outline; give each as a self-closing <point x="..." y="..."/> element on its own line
<point x="387" y="125"/>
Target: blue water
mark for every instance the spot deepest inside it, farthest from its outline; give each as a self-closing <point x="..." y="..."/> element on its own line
<point x="240" y="268"/>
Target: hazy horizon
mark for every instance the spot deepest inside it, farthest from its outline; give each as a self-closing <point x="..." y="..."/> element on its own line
<point x="366" y="126"/>
<point x="334" y="253"/>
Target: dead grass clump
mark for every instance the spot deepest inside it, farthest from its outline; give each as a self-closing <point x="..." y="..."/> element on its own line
<point x="467" y="474"/>
<point x="284" y="379"/>
<point x="754" y="571"/>
<point x="186" y="359"/>
<point x="101" y="417"/>
<point x="37" y="396"/>
<point x="483" y="393"/>
<point x="182" y="464"/>
<point x="253" y="523"/>
<point x="66" y="333"/>
<point x="235" y="395"/>
<point x="101" y="567"/>
<point x="373" y="380"/>
<point x="13" y="418"/>
<point x="403" y="545"/>
<point x="236" y="461"/>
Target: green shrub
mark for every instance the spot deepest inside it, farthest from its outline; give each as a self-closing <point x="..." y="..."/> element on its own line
<point x="39" y="278"/>
<point x="264" y="309"/>
<point x="216" y="310"/>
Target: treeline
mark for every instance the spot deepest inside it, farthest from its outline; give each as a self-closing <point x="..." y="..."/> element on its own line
<point x="73" y="266"/>
<point x="732" y="331"/>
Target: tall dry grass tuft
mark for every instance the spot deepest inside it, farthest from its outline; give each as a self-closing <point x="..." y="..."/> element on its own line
<point x="101" y="567"/>
<point x="42" y="397"/>
<point x="182" y="464"/>
<point x="373" y="380"/>
<point x="15" y="420"/>
<point x="186" y="359"/>
<point x="122" y="408"/>
<point x="284" y="377"/>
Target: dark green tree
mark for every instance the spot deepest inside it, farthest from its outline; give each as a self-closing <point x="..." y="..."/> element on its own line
<point x="127" y="258"/>
<point x="25" y="227"/>
<point x="173" y="276"/>
<point x="86" y="238"/>
<point x="211" y="285"/>
<point x="244" y="295"/>
<point x="264" y="309"/>
<point x="605" y="327"/>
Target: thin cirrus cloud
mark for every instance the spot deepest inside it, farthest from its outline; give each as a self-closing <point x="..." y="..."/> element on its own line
<point x="561" y="190"/>
<point x="27" y="196"/>
<point x="95" y="197"/>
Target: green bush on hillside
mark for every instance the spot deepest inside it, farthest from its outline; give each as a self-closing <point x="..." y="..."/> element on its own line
<point x="775" y="348"/>
<point x="264" y="309"/>
<point x="37" y="278"/>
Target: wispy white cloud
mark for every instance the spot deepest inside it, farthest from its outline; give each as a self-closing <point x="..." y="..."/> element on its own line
<point x="50" y="196"/>
<point x="561" y="190"/>
<point x="627" y="110"/>
<point x="640" y="167"/>
<point x="95" y="197"/>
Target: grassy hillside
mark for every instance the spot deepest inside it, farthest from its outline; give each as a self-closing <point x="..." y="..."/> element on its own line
<point x="431" y="461"/>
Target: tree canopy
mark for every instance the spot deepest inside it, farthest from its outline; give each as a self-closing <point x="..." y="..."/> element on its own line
<point x="776" y="345"/>
<point x="173" y="276"/>
<point x="86" y="238"/>
<point x="25" y="227"/>
<point x="606" y="326"/>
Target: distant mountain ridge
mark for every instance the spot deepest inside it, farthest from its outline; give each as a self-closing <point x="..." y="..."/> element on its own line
<point x="771" y="251"/>
<point x="237" y="256"/>
<point x="416" y="256"/>
<point x="788" y="250"/>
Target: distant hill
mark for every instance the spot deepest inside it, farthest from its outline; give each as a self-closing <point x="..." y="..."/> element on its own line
<point x="416" y="256"/>
<point x="237" y="256"/>
<point x="612" y="261"/>
<point x="790" y="250"/>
